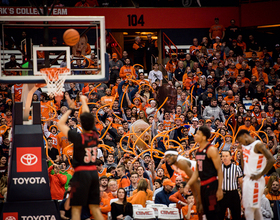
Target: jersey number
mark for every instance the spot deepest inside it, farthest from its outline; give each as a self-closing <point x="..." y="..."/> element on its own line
<point x="200" y="168"/>
<point x="245" y="158"/>
<point x="90" y="155"/>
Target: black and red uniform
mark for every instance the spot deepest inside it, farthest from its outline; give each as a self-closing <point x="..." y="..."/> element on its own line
<point x="85" y="181"/>
<point x="209" y="183"/>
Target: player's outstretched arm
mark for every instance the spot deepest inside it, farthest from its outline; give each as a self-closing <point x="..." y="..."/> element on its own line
<point x="84" y="100"/>
<point x="260" y="148"/>
<point x="214" y="155"/>
<point x="62" y="126"/>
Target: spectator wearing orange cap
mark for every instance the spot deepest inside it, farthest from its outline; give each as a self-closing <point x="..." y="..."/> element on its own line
<point x="247" y="125"/>
<point x="172" y="65"/>
<point x="163" y="196"/>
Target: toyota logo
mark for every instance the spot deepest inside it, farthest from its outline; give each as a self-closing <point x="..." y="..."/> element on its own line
<point x="28" y="159"/>
<point x="10" y="218"/>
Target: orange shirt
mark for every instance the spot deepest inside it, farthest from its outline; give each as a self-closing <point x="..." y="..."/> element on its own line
<point x="276" y="67"/>
<point x="98" y="127"/>
<point x="272" y="197"/>
<point x="239" y="66"/>
<point x="217" y="31"/>
<point x="123" y="182"/>
<point x="194" y="215"/>
<point x="115" y="91"/>
<point x="103" y="173"/>
<point x="167" y="125"/>
<point x="9" y="120"/>
<point x="139" y="107"/>
<point x="111" y="196"/>
<point x="215" y="45"/>
<point x="45" y="109"/>
<point x="107" y="99"/>
<point x="233" y="72"/>
<point x="194" y="48"/>
<point x="62" y="142"/>
<point x="17" y="92"/>
<point x="127" y="72"/>
<point x="163" y="166"/>
<point x="259" y="117"/>
<point x="265" y="77"/>
<point x="245" y="79"/>
<point x="54" y="140"/>
<point x="242" y="45"/>
<point x="254" y="70"/>
<point x="68" y="150"/>
<point x="116" y="126"/>
<point x="171" y="66"/>
<point x="105" y="206"/>
<point x="41" y="54"/>
<point x="251" y="128"/>
<point x="229" y="100"/>
<point x="140" y="197"/>
<point x="188" y="82"/>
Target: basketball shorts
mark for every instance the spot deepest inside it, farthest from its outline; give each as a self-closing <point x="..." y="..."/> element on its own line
<point x="252" y="192"/>
<point x="209" y="200"/>
<point x="85" y="188"/>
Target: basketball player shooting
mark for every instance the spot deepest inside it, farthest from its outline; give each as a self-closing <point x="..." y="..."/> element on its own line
<point x="256" y="161"/>
<point x="186" y="167"/>
<point x="85" y="182"/>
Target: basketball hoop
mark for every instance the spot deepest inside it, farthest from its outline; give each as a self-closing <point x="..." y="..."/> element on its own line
<point x="55" y="78"/>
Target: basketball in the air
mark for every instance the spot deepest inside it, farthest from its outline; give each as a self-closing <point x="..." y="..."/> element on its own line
<point x="71" y="37"/>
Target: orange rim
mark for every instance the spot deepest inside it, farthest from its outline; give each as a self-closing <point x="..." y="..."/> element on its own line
<point x="53" y="73"/>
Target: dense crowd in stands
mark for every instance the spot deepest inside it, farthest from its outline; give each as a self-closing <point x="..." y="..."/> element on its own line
<point x="223" y="82"/>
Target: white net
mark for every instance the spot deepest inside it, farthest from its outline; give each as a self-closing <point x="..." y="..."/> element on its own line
<point x="55" y="78"/>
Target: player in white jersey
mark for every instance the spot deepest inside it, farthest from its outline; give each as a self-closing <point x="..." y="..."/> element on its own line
<point x="256" y="161"/>
<point x="185" y="167"/>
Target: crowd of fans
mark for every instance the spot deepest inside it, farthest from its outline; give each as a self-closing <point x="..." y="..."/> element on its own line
<point x="222" y="82"/>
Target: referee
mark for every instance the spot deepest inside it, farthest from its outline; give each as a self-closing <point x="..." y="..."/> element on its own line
<point x="232" y="174"/>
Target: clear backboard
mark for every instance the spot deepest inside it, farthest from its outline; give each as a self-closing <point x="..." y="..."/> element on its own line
<point x="31" y="43"/>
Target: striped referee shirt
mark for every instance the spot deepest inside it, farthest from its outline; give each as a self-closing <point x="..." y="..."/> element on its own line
<point x="231" y="174"/>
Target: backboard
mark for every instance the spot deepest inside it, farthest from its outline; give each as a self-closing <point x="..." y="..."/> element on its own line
<point x="36" y="42"/>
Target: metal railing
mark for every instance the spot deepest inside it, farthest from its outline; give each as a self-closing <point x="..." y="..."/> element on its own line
<point x="169" y="43"/>
<point x="116" y="46"/>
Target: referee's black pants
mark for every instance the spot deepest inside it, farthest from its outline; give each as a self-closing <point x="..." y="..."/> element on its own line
<point x="232" y="201"/>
